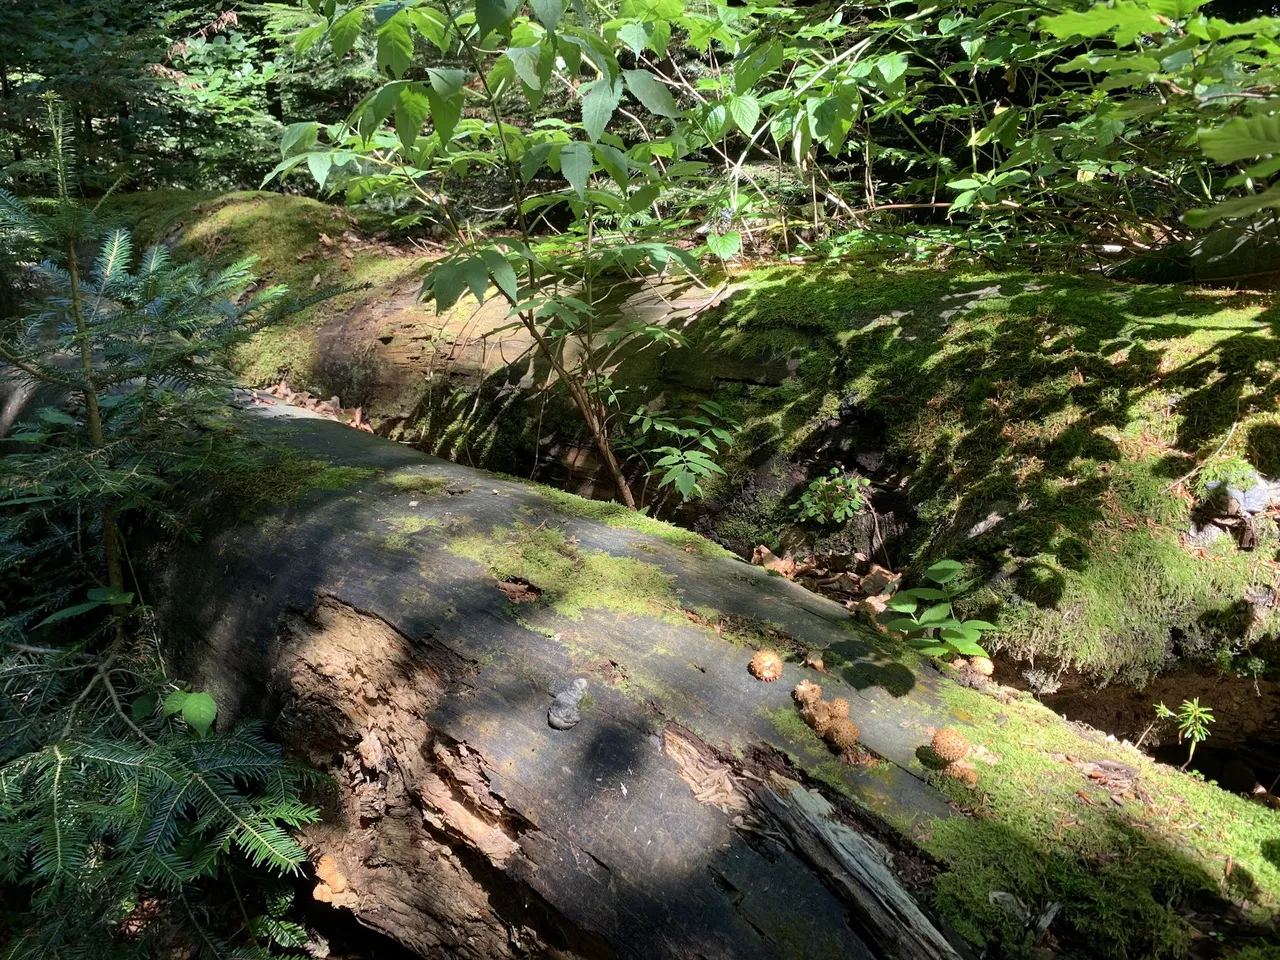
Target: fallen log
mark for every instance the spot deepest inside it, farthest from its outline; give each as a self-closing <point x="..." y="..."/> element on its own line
<point x="408" y="632"/>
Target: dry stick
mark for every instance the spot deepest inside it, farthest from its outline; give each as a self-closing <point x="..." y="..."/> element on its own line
<point x="1204" y="463"/>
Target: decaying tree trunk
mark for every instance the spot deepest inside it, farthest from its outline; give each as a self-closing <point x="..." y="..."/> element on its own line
<point x="688" y="814"/>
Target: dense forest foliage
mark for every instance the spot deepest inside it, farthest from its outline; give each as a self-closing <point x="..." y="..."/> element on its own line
<point x="544" y="152"/>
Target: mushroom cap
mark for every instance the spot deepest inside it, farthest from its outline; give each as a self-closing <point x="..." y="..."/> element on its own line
<point x="766" y="665"/>
<point x="950" y="745"/>
<point x="838" y="707"/>
<point x="982" y="665"/>
<point x="963" y="773"/>
<point x="841" y="733"/>
<point x="815" y="713"/>
<point x="807" y="692"/>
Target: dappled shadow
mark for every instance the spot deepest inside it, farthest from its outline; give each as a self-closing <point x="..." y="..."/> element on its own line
<point x="616" y="856"/>
<point x="1032" y="419"/>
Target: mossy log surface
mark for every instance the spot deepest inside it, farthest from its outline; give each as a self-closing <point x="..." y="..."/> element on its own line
<point x="463" y="822"/>
<point x="378" y="627"/>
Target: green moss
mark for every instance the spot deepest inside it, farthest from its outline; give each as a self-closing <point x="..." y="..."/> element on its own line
<point x="402" y="528"/>
<point x="1126" y="874"/>
<point x="571" y="579"/>
<point x="613" y="514"/>
<point x="411" y="482"/>
<point x="1054" y="411"/>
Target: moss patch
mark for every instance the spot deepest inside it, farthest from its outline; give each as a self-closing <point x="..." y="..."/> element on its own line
<point x="1054" y="414"/>
<point x="613" y="514"/>
<point x="1127" y="871"/>
<point x="571" y="579"/>
<point x="283" y="233"/>
<point x="402" y="528"/>
<point x="410" y="482"/>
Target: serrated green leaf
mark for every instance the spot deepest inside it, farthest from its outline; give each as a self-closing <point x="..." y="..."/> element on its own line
<point x="144" y="706"/>
<point x="320" y="164"/>
<point x="1235" y="208"/>
<point x="492" y="14"/>
<point x="575" y="165"/>
<point x="525" y="62"/>
<point x="745" y="111"/>
<point x="652" y="93"/>
<point x="503" y="274"/>
<point x="548" y="13"/>
<point x="1243" y="138"/>
<point x="600" y="99"/>
<point x="395" y="46"/>
<point x="412" y="111"/>
<point x="174" y="701"/>
<point x="346" y="31"/>
<point x="298" y="138"/>
<point x="944" y="571"/>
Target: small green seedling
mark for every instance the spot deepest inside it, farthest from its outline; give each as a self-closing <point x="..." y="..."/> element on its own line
<point x="836" y="498"/>
<point x="1193" y="723"/>
<point x="932" y="627"/>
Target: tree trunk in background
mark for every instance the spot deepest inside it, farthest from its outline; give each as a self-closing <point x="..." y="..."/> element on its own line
<point x="681" y="817"/>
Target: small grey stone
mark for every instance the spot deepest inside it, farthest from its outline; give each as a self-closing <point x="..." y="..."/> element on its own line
<point x="563" y="712"/>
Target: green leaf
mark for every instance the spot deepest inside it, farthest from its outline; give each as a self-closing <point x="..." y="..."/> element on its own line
<point x="525" y="62"/>
<point x="902" y="624"/>
<point x="504" y="275"/>
<point x="944" y="571"/>
<point x="174" y="701"/>
<point x="925" y="593"/>
<point x="1243" y="138"/>
<point x="445" y="97"/>
<point x="745" y="111"/>
<point x="575" y="164"/>
<point x="902" y="603"/>
<point x="651" y="9"/>
<point x="411" y="113"/>
<point x="970" y="648"/>
<point x="1127" y="20"/>
<point x="199" y="710"/>
<point x="935" y="614"/>
<point x="395" y="46"/>
<point x="54" y="415"/>
<point x="615" y="163"/>
<point x="346" y="31"/>
<point x="930" y="648"/>
<point x="652" y="93"/>
<point x="548" y="12"/>
<point x="725" y="245"/>
<point x="1234" y="208"/>
<point x="892" y="67"/>
<point x="491" y="14"/>
<point x="446" y="284"/>
<point x="298" y="138"/>
<point x="475" y="274"/>
<point x="320" y="164"/>
<point x="601" y="98"/>
<point x="980" y="625"/>
<point x="760" y="60"/>
<point x="68" y="612"/>
<point x="533" y="160"/>
<point x="144" y="706"/>
<point x="110" y="595"/>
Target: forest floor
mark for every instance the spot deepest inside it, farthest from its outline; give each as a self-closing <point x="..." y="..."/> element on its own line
<point x="1059" y="433"/>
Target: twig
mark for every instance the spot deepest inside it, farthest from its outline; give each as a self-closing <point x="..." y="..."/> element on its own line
<point x="1205" y="462"/>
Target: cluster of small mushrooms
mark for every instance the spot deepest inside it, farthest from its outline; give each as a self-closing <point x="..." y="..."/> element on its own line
<point x="830" y="718"/>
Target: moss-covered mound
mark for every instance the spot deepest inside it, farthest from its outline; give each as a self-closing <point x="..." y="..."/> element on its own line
<point x="1042" y="424"/>
<point x="297" y="241"/>
<point x="1036" y="426"/>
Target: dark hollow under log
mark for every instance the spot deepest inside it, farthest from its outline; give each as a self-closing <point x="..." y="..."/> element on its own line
<point x="368" y="626"/>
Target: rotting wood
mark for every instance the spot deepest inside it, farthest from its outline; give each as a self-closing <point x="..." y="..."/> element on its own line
<point x="462" y="824"/>
<point x="859" y="867"/>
